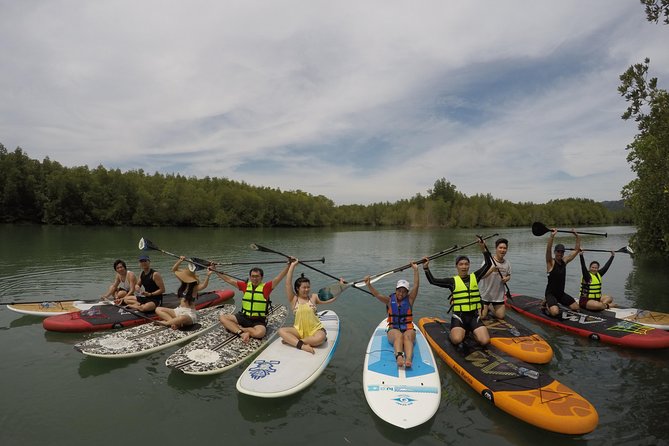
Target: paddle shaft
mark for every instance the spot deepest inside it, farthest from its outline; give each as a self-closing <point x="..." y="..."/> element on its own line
<point x="623" y="250"/>
<point x="266" y="262"/>
<point x="540" y="229"/>
<point x="265" y="249"/>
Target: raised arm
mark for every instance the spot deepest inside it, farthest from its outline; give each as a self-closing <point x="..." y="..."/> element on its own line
<point x="549" y="250"/>
<point x="205" y="283"/>
<point x="290" y="293"/>
<point x="577" y="247"/>
<point x="227" y="279"/>
<point x="605" y="268"/>
<point x="584" y="269"/>
<point x="176" y="265"/>
<point x="283" y="272"/>
<point x="416" y="283"/>
<point x="375" y="292"/>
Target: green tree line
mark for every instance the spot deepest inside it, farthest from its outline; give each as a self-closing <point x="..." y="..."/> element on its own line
<point x="48" y="193"/>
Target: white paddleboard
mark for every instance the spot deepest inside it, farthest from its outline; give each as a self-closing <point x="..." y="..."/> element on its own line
<point x="653" y="319"/>
<point x="402" y="396"/>
<point x="219" y="350"/>
<point x="149" y="338"/>
<point x="282" y="370"/>
<point x="46" y="309"/>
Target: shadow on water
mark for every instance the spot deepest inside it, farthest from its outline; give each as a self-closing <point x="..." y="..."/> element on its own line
<point x="181" y="381"/>
<point x="260" y="410"/>
<point x="90" y="366"/>
<point x="25" y="320"/>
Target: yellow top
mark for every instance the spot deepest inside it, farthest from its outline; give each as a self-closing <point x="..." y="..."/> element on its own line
<point x="306" y="321"/>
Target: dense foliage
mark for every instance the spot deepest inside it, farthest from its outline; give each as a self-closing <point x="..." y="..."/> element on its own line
<point x="648" y="194"/>
<point x="46" y="192"/>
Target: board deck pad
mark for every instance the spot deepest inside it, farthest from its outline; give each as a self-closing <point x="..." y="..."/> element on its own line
<point x="219" y="350"/>
<point x="595" y="325"/>
<point x="105" y="317"/>
<point x="512" y="385"/>
<point x="650" y="318"/>
<point x="149" y="338"/>
<point x="54" y="308"/>
<point x="282" y="370"/>
<point x="515" y="339"/>
<point x="402" y="396"/>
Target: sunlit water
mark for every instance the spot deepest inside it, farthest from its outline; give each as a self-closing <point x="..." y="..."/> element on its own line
<point x="54" y="395"/>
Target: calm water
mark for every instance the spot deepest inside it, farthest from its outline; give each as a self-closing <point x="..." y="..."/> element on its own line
<point x="54" y="395"/>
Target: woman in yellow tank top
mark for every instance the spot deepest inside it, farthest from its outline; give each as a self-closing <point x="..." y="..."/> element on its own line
<point x="307" y="332"/>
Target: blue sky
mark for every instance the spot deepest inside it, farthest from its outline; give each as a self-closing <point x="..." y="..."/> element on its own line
<point x="358" y="101"/>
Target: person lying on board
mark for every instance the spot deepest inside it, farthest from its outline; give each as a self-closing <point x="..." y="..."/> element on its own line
<point x="186" y="313"/>
<point x="401" y="332"/>
<point x="307" y="331"/>
<point x="556" y="268"/>
<point x="492" y="285"/>
<point x="591" y="285"/>
<point x="465" y="297"/>
<point x="251" y="320"/>
<point x="124" y="283"/>
<point x="151" y="296"/>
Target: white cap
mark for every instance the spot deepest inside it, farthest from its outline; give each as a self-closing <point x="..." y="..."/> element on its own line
<point x="402" y="284"/>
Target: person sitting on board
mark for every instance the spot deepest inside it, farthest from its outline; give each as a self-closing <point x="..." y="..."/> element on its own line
<point x="152" y="296"/>
<point x="465" y="298"/>
<point x="591" y="285"/>
<point x="185" y="314"/>
<point x="124" y="283"/>
<point x="492" y="285"/>
<point x="556" y="268"/>
<point x="251" y="320"/>
<point x="401" y="332"/>
<point x="307" y="331"/>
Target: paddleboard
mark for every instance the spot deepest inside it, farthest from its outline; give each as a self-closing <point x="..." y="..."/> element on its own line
<point x="513" y="386"/>
<point x="105" y="317"/>
<point x="653" y="319"/>
<point x="54" y="308"/>
<point x="282" y="370"/>
<point x="404" y="397"/>
<point x="599" y="326"/>
<point x="219" y="350"/>
<point x="149" y="338"/>
<point x="515" y="339"/>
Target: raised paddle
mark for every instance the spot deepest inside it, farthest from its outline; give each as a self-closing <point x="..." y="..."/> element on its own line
<point x="337" y="288"/>
<point x="261" y="248"/>
<point x="540" y="229"/>
<point x="624" y="250"/>
<point x="266" y="262"/>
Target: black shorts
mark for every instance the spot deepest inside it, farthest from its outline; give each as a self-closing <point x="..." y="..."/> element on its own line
<point x="565" y="300"/>
<point x="469" y="320"/>
<point x="158" y="300"/>
<point x="247" y="322"/>
<point x="494" y="304"/>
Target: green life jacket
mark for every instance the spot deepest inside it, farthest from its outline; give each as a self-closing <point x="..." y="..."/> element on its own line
<point x="593" y="289"/>
<point x="463" y="298"/>
<point x="253" y="301"/>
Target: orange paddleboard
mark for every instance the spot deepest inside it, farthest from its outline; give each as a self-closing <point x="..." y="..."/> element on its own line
<point x="517" y="340"/>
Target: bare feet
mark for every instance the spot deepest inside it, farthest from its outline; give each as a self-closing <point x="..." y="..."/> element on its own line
<point x="399" y="357"/>
<point x="407" y="363"/>
<point x="245" y="337"/>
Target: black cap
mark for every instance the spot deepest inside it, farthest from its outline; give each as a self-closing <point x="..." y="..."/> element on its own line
<point x="559" y="247"/>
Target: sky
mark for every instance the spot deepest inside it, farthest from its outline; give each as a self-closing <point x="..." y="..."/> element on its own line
<point x="359" y="101"/>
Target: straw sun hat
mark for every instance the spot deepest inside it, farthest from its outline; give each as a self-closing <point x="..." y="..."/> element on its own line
<point x="186" y="276"/>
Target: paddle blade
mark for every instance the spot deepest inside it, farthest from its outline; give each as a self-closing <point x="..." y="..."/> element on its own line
<point x="199" y="264"/>
<point x="332" y="291"/>
<point x="145" y="243"/>
<point x="539" y="229"/>
<point x="626" y="250"/>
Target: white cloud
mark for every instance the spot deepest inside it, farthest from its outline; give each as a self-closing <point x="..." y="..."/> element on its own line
<point x="358" y="101"/>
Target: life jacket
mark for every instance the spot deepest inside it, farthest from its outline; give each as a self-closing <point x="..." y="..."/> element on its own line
<point x="465" y="299"/>
<point x="592" y="290"/>
<point x="399" y="313"/>
<point x="253" y="301"/>
<point x="147" y="281"/>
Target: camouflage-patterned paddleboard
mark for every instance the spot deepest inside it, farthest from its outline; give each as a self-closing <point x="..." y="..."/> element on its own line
<point x="219" y="350"/>
<point x="149" y="338"/>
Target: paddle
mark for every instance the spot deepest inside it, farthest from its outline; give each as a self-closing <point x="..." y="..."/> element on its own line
<point x="266" y="262"/>
<point x="540" y="229"/>
<point x="508" y="291"/>
<point x="257" y="247"/>
<point x="337" y="288"/>
<point x="145" y="243"/>
<point x="624" y="250"/>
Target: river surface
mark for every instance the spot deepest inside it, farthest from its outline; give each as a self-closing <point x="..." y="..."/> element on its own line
<point x="53" y="395"/>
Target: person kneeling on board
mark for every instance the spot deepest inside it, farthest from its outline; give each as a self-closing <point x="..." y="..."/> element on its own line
<point x="465" y="297"/>
<point x="401" y="332"/>
<point x="308" y="331"/>
<point x="591" y="285"/>
<point x="185" y="314"/>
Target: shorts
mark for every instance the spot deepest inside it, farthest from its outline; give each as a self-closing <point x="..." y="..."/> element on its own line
<point x="494" y="304"/>
<point x="158" y="300"/>
<point x="247" y="322"/>
<point x="469" y="320"/>
<point x="565" y="300"/>
<point x="184" y="311"/>
<point x="583" y="301"/>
